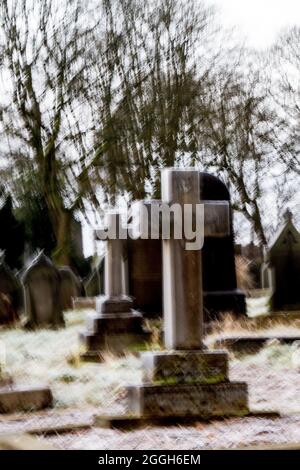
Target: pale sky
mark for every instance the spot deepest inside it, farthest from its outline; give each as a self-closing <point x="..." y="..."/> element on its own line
<point x="259" y="21"/>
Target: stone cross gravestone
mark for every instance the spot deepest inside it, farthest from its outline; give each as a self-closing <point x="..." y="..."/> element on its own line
<point x="41" y="283"/>
<point x="70" y="287"/>
<point x="115" y="327"/>
<point x="220" y="292"/>
<point x="186" y="380"/>
<point x="10" y="295"/>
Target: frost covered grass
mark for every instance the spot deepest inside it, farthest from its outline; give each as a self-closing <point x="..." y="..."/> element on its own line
<point x="271" y="325"/>
<point x="274" y="355"/>
<point x="51" y="357"/>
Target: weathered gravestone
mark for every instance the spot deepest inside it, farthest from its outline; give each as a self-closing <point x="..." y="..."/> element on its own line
<point x="186" y="380"/>
<point x="116" y="327"/>
<point x="41" y="283"/>
<point x="70" y="287"/>
<point x="281" y="269"/>
<point x="219" y="281"/>
<point x="145" y="275"/>
<point x="10" y="295"/>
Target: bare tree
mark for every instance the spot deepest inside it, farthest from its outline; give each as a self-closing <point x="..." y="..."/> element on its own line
<point x="97" y="101"/>
<point x="285" y="60"/>
<point x="237" y="131"/>
<point x="47" y="57"/>
<point x="152" y="53"/>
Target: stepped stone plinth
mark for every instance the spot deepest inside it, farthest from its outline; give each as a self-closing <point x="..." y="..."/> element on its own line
<point x="115" y="327"/>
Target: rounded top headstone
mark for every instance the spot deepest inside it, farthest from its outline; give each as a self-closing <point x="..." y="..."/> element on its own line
<point x="41" y="261"/>
<point x="212" y="188"/>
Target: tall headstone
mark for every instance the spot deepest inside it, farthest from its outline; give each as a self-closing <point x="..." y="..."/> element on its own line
<point x="220" y="285"/>
<point x="41" y="283"/>
<point x="281" y="268"/>
<point x="145" y="275"/>
<point x="10" y="294"/>
<point x="185" y="380"/>
<point x="219" y="280"/>
<point x="70" y="287"/>
<point x="116" y="327"/>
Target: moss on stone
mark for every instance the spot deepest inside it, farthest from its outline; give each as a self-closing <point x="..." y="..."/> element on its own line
<point x="137" y="347"/>
<point x="171" y="380"/>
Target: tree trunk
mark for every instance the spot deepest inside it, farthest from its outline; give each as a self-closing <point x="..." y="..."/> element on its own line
<point x="62" y="253"/>
<point x="61" y="220"/>
<point x="60" y="216"/>
<point x="257" y="225"/>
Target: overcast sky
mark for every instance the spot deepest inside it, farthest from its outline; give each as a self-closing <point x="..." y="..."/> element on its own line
<point x="259" y="21"/>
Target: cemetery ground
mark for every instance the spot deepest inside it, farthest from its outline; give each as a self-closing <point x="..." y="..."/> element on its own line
<point x="82" y="391"/>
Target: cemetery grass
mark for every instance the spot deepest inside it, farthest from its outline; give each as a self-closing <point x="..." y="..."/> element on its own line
<point x="82" y="390"/>
<point x="52" y="358"/>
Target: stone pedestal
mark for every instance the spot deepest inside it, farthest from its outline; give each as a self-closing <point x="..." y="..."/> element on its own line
<point x="115" y="327"/>
<point x="187" y="384"/>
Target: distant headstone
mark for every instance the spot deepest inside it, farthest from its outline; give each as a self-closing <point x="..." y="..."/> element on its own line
<point x="70" y="287"/>
<point x="42" y="294"/>
<point x="10" y="295"/>
<point x="145" y="275"/>
<point x="282" y="267"/>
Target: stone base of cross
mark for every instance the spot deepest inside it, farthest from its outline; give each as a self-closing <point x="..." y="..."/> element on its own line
<point x="186" y="380"/>
<point x="115" y="327"/>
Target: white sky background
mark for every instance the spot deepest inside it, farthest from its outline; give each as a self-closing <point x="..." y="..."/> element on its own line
<point x="257" y="23"/>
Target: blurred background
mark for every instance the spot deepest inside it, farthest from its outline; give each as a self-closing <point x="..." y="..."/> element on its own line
<point x="96" y="97"/>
